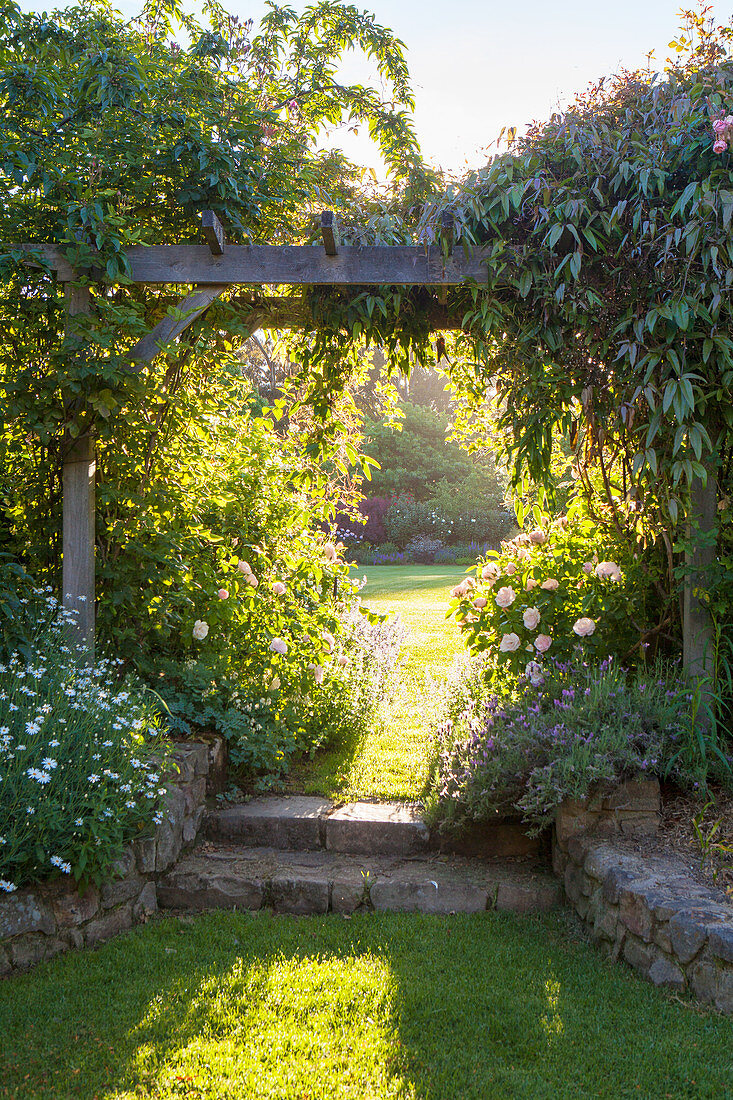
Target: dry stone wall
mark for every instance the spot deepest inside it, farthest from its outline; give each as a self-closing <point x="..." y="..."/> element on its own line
<point x="644" y="908"/>
<point x="41" y="921"/>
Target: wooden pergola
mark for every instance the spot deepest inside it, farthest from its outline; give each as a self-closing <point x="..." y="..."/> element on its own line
<point x="215" y="267"/>
<point x="212" y="269"/>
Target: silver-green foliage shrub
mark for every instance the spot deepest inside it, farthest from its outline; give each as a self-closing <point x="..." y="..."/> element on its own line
<point x="81" y="760"/>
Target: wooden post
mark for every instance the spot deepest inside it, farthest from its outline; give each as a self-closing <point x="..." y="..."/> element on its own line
<point x="78" y="591"/>
<point x="698" y="638"/>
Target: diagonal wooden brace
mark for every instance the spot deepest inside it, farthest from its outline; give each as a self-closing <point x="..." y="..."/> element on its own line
<point x="177" y="321"/>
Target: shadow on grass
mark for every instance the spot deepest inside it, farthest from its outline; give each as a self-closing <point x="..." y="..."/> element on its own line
<point x="382" y="1005"/>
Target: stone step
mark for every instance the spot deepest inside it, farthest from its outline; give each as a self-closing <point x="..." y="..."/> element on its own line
<point x="221" y="876"/>
<point x="304" y="823"/>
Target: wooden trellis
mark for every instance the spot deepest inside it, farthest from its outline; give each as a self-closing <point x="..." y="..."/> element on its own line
<point x="215" y="267"/>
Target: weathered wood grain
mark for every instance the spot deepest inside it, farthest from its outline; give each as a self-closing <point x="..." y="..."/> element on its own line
<point x="78" y="488"/>
<point x="294" y="265"/>
<point x="177" y="321"/>
<point x="330" y="232"/>
<point x="214" y="232"/>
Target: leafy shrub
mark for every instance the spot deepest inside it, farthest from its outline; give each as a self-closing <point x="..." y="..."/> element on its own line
<point x="525" y="748"/>
<point x="80" y="762"/>
<point x="408" y="518"/>
<point x="422" y="548"/>
<point x="548" y="590"/>
<point x="461" y="553"/>
<point x="15" y="587"/>
<point x="270" y="718"/>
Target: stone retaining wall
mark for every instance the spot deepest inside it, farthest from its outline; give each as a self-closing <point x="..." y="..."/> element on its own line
<point x="645" y="908"/>
<point x="39" y="922"/>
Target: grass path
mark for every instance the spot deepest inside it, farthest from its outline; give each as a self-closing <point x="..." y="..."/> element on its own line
<point x="394" y="762"/>
<point x="236" y="1006"/>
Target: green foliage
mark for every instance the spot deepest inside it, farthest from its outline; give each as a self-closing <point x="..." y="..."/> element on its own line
<point x="549" y="592"/>
<point x="286" y="706"/>
<point x="416" y="457"/>
<point x="81" y="759"/>
<point x="584" y="726"/>
<point x="116" y="135"/>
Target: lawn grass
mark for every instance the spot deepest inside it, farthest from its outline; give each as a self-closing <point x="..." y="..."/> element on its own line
<point x="239" y="1006"/>
<point x="394" y="760"/>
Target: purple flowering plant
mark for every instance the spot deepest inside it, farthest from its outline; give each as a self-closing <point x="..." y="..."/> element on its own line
<point x="523" y="748"/>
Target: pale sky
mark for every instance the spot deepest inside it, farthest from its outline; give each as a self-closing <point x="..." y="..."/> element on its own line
<point x="478" y="65"/>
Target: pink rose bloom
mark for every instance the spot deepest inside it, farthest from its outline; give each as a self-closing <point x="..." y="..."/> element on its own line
<point x="523" y="555"/>
<point x="278" y="588"/>
<point x="720" y="125"/>
<point x="550" y="585"/>
<point x="505" y="597"/>
<point x="459" y="590"/>
<point x="243" y="567"/>
<point x="509" y="643"/>
<point x="531" y="618"/>
<point x="531" y="583"/>
<point x="720" y="146"/>
<point x="329" y="640"/>
<point x="538" y="537"/>
<point x="223" y="593"/>
<point x="584" y="627"/>
<point x="318" y="674"/>
<point x="279" y="645"/>
<point x="329" y="552"/>
<point x="490" y="571"/>
<point x="588" y="567"/>
<point x="510" y="568"/>
<point x="250" y="578"/>
<point x="343" y="661"/>
<point x="542" y="643"/>
<point x="480" y="602"/>
<point x="608" y="569"/>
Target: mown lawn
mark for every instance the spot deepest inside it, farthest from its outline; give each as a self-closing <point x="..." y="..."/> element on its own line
<point x="241" y="1006"/>
<point x="393" y="761"/>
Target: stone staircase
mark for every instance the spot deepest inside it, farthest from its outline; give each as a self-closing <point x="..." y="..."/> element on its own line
<point x="304" y="855"/>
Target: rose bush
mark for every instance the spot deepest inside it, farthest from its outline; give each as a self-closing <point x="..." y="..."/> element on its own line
<point x="547" y="592"/>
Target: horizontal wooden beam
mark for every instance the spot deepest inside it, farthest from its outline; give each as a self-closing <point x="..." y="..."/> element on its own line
<point x="295" y="313"/>
<point x="293" y="265"/>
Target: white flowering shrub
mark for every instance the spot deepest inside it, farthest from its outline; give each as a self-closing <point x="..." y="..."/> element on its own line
<point x="549" y="591"/>
<point x="303" y="697"/>
<point x="80" y="761"/>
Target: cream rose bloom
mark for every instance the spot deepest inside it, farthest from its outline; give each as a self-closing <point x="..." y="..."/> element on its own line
<point x="505" y="597"/>
<point x="510" y="569"/>
<point x="531" y="583"/>
<point x="278" y="588"/>
<point x="200" y="630"/>
<point x="542" y="643"/>
<point x="533" y="672"/>
<point x="531" y="618"/>
<point x="584" y="627"/>
<point x="509" y="643"/>
<point x="608" y="570"/>
<point x="490" y="571"/>
<point x="243" y="566"/>
<point x="279" y="645"/>
<point x="480" y="602"/>
<point x="550" y="585"/>
<point x="538" y="537"/>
